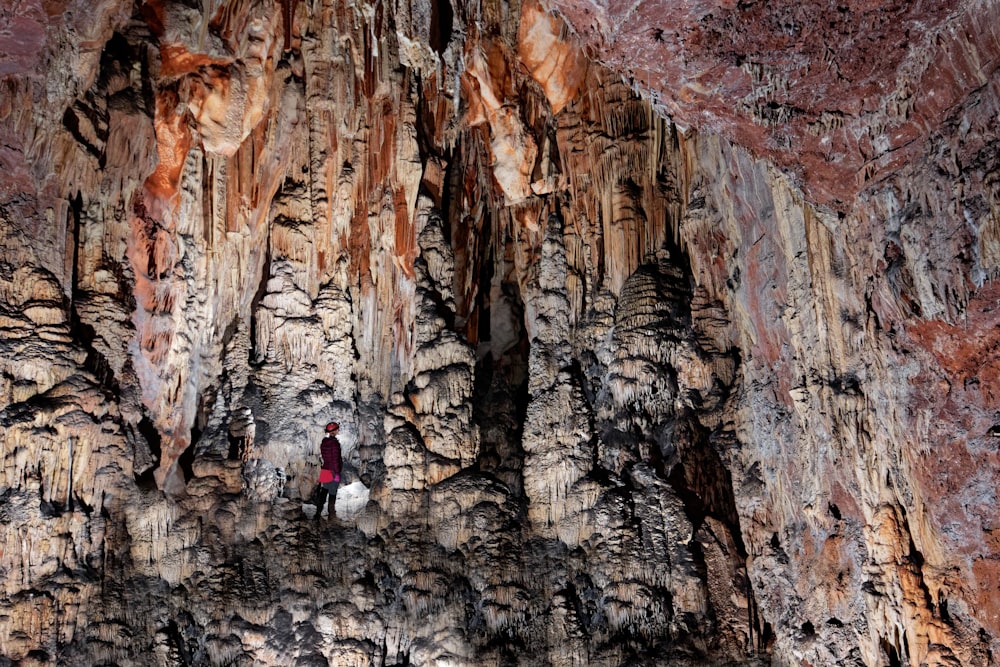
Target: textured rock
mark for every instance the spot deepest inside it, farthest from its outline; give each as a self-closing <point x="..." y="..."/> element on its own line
<point x="667" y="335"/>
<point x="840" y="95"/>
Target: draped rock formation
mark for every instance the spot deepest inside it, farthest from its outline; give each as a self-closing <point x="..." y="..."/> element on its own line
<point x="657" y="333"/>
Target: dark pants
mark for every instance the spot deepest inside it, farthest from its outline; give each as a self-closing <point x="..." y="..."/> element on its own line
<point x="324" y="492"/>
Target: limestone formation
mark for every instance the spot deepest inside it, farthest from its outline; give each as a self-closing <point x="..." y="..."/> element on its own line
<point x="658" y="334"/>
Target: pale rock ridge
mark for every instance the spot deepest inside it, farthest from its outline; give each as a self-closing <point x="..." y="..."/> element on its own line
<point x="557" y="428"/>
<point x="443" y="364"/>
<point x="430" y="434"/>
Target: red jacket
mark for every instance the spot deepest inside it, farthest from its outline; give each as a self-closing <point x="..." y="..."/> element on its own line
<point x="330" y="451"/>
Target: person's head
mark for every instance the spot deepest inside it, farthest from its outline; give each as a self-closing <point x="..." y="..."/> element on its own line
<point x="332" y="427"/>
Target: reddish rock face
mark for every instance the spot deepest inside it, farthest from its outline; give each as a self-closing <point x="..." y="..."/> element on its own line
<point x="839" y="95"/>
<point x="958" y="468"/>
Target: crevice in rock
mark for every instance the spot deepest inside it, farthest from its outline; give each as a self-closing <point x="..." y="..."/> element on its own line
<point x="890" y="652"/>
<point x="187" y="457"/>
<point x="83" y="333"/>
<point x="257" y="356"/>
<point x="150" y="436"/>
<point x="177" y="644"/>
<point x="442" y="17"/>
<point x="82" y="119"/>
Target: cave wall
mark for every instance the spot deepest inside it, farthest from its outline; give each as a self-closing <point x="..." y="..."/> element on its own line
<point x="623" y="376"/>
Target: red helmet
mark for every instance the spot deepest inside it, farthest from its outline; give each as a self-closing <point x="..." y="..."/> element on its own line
<point x="332" y="426"/>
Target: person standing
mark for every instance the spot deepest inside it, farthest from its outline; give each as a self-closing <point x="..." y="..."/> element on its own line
<point x="329" y="474"/>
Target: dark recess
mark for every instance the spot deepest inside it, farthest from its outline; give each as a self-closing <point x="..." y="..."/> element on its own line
<point x="146" y="480"/>
<point x="891" y="653"/>
<point x="442" y="17"/>
<point x="256" y="355"/>
<point x="84" y="333"/>
<point x="186" y="459"/>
